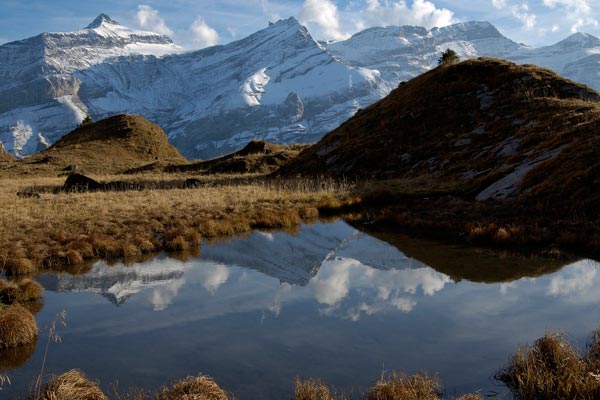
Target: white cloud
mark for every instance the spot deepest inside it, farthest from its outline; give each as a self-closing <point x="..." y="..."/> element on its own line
<point x="577" y="279"/>
<point x="521" y="12"/>
<point x="322" y="16"/>
<point x="386" y="12"/>
<point x="202" y="34"/>
<point x="148" y="18"/>
<point x="577" y="12"/>
<point x="213" y="276"/>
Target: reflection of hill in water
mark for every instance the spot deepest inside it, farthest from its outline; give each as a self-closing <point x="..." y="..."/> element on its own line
<point x="462" y="262"/>
<point x="297" y="259"/>
<point x="292" y="259"/>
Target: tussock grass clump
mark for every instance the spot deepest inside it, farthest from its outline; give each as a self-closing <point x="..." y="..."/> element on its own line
<point x="25" y="290"/>
<point x="311" y="389"/>
<point x="400" y="386"/>
<point x="553" y="369"/>
<point x="72" y="385"/>
<point x="193" y="388"/>
<point x="17" y="326"/>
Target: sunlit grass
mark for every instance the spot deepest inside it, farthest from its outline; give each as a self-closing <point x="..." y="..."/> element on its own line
<point x="62" y="229"/>
<point x="552" y="368"/>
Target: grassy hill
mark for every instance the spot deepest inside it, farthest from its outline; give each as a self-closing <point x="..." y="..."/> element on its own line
<point x="484" y="147"/>
<point x="109" y="146"/>
<point x="467" y="125"/>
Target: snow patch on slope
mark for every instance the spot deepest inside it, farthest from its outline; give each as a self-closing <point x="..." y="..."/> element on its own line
<point x="254" y="87"/>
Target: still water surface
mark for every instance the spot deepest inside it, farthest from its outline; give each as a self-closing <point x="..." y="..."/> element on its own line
<point x="329" y="302"/>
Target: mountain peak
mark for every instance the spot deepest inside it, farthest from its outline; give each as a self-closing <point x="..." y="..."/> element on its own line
<point x="581" y="39"/>
<point x="101" y="19"/>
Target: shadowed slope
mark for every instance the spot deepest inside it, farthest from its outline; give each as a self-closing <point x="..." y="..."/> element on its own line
<point x="257" y="156"/>
<point x="475" y="128"/>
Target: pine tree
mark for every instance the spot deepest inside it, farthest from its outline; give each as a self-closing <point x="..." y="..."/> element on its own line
<point x="448" y="57"/>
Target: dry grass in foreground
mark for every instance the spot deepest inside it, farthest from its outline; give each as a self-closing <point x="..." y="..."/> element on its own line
<point x="21" y="291"/>
<point x="395" y="386"/>
<point x="64" y="229"/>
<point x="553" y="369"/>
<point x="71" y="385"/>
<point x="17" y="326"/>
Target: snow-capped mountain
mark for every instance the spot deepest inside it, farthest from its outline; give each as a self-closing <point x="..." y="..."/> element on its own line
<point x="278" y="84"/>
<point x="401" y="53"/>
<point x="39" y="86"/>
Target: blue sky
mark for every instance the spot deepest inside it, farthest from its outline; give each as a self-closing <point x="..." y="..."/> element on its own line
<point x="200" y="23"/>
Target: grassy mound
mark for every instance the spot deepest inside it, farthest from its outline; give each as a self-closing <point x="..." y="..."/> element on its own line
<point x="72" y="385"/>
<point x="193" y="388"/>
<point x="112" y="145"/>
<point x="553" y="369"/>
<point x="402" y="386"/>
<point x="312" y="389"/>
<point x="470" y="123"/>
<point x="17" y="326"/>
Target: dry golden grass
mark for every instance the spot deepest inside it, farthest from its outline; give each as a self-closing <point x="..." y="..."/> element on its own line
<point x="24" y="290"/>
<point x="311" y="389"/>
<point x="72" y="385"/>
<point x="62" y="229"/>
<point x="553" y="369"/>
<point x="400" y="386"/>
<point x="193" y="388"/>
<point x="17" y="326"/>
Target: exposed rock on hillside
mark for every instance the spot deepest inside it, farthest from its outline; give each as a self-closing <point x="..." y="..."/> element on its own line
<point x="4" y="156"/>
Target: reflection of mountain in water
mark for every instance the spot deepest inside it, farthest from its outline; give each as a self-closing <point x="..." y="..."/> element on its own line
<point x="119" y="282"/>
<point x="348" y="272"/>
<point x="291" y="259"/>
<point x="297" y="259"/>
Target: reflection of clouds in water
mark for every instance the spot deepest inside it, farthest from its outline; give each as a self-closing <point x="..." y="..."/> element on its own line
<point x="162" y="296"/>
<point x="268" y="236"/>
<point x="283" y="290"/>
<point x="379" y="290"/>
<point x="577" y="278"/>
<point x="212" y="276"/>
<point x="333" y="280"/>
<point x="505" y="286"/>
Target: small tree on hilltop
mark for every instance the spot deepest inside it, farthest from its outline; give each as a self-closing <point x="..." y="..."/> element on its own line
<point x="448" y="57"/>
<point x="87" y="121"/>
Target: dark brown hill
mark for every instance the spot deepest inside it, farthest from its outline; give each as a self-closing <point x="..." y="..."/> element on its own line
<point x="109" y="146"/>
<point x="256" y="157"/>
<point x="482" y="128"/>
